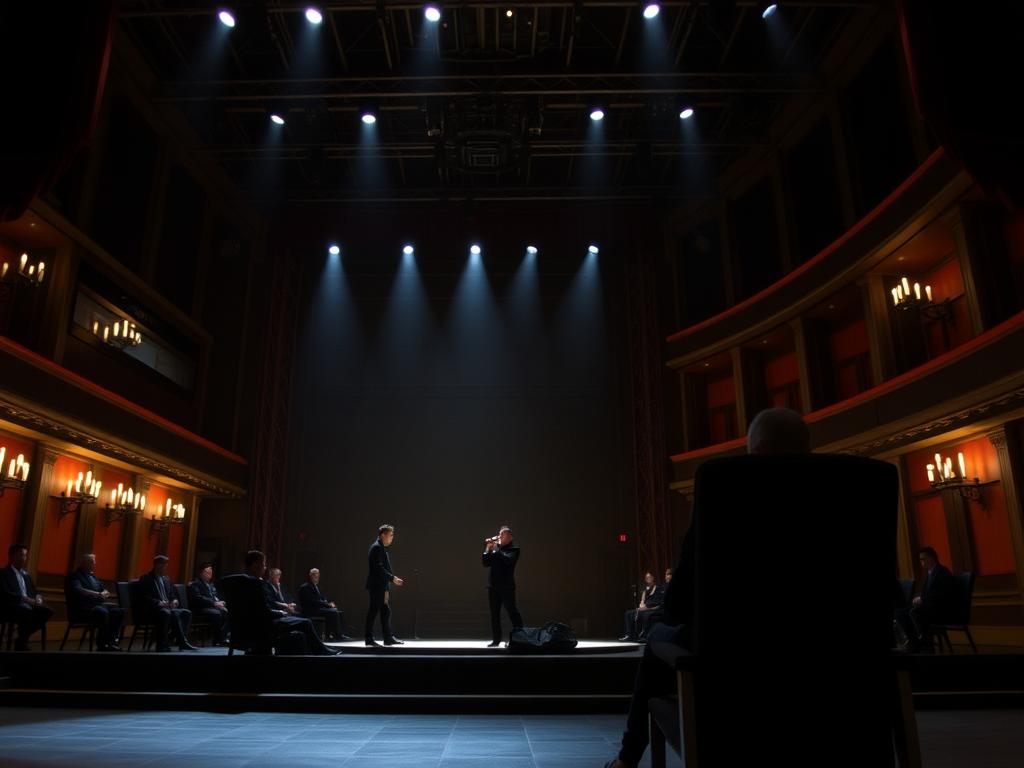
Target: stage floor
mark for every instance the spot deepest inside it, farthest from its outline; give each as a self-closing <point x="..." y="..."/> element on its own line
<point x="474" y="648"/>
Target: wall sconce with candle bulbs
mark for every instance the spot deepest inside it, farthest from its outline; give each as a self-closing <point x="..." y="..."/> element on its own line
<point x="944" y="474"/>
<point x="13" y="475"/>
<point x="122" y="503"/>
<point x="906" y="296"/>
<point x="172" y="514"/>
<point x="123" y="333"/>
<point x="27" y="271"/>
<point x="85" y="489"/>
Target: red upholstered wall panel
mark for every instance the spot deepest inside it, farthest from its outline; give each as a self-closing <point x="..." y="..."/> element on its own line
<point x="11" y="503"/>
<point x="990" y="527"/>
<point x="58" y="541"/>
<point x="721" y="392"/>
<point x="154" y="506"/>
<point x="176" y="551"/>
<point x="780" y="371"/>
<point x="930" y="521"/>
<point x="106" y="543"/>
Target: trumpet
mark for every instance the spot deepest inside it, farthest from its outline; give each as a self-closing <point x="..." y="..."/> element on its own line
<point x="494" y="539"/>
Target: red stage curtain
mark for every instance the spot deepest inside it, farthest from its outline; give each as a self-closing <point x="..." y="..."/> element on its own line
<point x="55" y="58"/>
<point x="965" y="62"/>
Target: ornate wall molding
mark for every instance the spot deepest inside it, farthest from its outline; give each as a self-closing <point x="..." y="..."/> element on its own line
<point x="54" y="428"/>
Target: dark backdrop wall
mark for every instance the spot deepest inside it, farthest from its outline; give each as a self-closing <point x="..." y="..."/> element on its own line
<point x="447" y="395"/>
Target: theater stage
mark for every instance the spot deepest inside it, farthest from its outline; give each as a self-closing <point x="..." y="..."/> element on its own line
<point x="420" y="676"/>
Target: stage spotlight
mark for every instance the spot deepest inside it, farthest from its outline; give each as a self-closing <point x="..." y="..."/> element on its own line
<point x="226" y="18"/>
<point x="532" y="250"/>
<point x="686" y="114"/>
<point x="596" y="115"/>
<point x="768" y="9"/>
<point x="276" y="119"/>
<point x="474" y="249"/>
<point x="508" y="13"/>
<point x="593" y="249"/>
<point x="651" y="10"/>
<point x="432" y="13"/>
<point x="334" y="249"/>
<point x="369" y="118"/>
<point x="408" y="250"/>
<point x="313" y="15"/>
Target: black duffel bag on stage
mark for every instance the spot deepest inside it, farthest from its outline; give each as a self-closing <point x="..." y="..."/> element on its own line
<point x="553" y="637"/>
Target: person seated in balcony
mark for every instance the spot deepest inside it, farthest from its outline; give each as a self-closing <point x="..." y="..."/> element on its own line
<point x="934" y="605"/>
<point x="87" y="604"/>
<point x="19" y="600"/>
<point x="286" y="618"/>
<point x="773" y="431"/>
<point x="654" y="613"/>
<point x="632" y="617"/>
<point x="159" y="605"/>
<point x="313" y="603"/>
<point x="206" y="603"/>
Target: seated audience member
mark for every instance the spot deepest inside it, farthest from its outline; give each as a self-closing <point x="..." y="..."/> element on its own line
<point x="285" y="613"/>
<point x="205" y="602"/>
<point x="654" y="613"/>
<point x="19" y="600"/>
<point x="313" y="603"/>
<point x="933" y="606"/>
<point x="773" y="431"/>
<point x="632" y="617"/>
<point x="159" y="606"/>
<point x="87" y="604"/>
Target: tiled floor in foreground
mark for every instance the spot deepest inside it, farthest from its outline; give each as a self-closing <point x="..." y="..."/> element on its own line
<point x="86" y="738"/>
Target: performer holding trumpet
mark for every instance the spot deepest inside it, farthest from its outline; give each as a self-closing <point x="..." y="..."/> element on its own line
<point x="501" y="556"/>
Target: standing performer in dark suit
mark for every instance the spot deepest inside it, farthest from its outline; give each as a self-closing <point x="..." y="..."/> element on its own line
<point x="501" y="557"/>
<point x="159" y="605"/>
<point x="313" y="603"/>
<point x="19" y="601"/>
<point x="87" y="604"/>
<point x="204" y="601"/>
<point x="379" y="579"/>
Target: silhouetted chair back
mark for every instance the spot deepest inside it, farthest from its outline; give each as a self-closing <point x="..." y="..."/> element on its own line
<point x="87" y="627"/>
<point x="128" y="599"/>
<point x="252" y="628"/>
<point x="907" y="588"/>
<point x="960" y="617"/>
<point x="792" y="612"/>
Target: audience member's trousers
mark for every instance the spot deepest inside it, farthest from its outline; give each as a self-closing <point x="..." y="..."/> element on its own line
<point x="334" y="621"/>
<point x="170" y="621"/>
<point x="29" y="619"/>
<point x="218" y="619"/>
<point x="106" y="619"/>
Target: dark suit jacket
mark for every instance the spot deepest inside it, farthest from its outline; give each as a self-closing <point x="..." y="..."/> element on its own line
<point x="202" y="595"/>
<point x="379" y="575"/>
<point x="311" y="600"/>
<point x="10" y="594"/>
<point x="656" y="596"/>
<point x="78" y="601"/>
<point x="938" y="594"/>
<point x="272" y="597"/>
<point x="502" y="562"/>
<point x="148" y="594"/>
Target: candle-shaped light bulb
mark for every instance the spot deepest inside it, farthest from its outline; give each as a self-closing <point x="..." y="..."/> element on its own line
<point x="938" y="463"/>
<point x="963" y="465"/>
<point x="917" y="291"/>
<point x="931" y="473"/>
<point x="117" y="328"/>
<point x="142" y="503"/>
<point x="895" y="297"/>
<point x="113" y="497"/>
<point x="24" y="472"/>
<point x="131" y="496"/>
<point x="11" y="469"/>
<point x="906" y="287"/>
<point x="78" y="483"/>
<point x="928" y="292"/>
<point x="31" y="270"/>
<point x="106" y="332"/>
<point x="39" y="271"/>
<point x="88" y="478"/>
<point x="68" y="492"/>
<point x="96" y="327"/>
<point x="949" y="467"/>
<point x="899" y="292"/>
<point x="24" y="261"/>
<point x="167" y="508"/>
<point x="3" y="270"/>
<point x="3" y="453"/>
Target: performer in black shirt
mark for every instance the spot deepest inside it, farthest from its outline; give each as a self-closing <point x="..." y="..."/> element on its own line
<point x="379" y="579"/>
<point x="501" y="556"/>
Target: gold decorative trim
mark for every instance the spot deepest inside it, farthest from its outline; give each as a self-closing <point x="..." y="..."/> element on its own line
<point x="937" y="426"/>
<point x="53" y="428"/>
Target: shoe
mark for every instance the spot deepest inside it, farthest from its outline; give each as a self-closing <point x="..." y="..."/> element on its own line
<point x="394" y="641"/>
<point x="494" y="644"/>
<point x="370" y="641"/>
<point x="627" y="639"/>
<point x="187" y="647"/>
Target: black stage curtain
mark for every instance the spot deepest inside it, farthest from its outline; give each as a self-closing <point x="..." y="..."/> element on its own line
<point x="966" y="66"/>
<point x="54" y="63"/>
